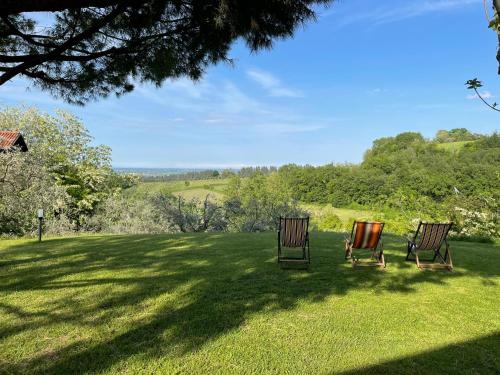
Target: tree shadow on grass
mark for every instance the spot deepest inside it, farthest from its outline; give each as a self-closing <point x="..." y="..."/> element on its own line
<point x="479" y="356"/>
<point x="218" y="281"/>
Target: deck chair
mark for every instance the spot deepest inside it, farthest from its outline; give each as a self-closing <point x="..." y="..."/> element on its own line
<point x="293" y="233"/>
<point x="366" y="235"/>
<point x="431" y="237"/>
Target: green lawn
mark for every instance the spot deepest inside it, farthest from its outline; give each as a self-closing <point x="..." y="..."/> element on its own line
<point x="218" y="303"/>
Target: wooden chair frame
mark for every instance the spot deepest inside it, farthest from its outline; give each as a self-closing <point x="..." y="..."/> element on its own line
<point x="306" y="255"/>
<point x="413" y="249"/>
<point x="377" y="250"/>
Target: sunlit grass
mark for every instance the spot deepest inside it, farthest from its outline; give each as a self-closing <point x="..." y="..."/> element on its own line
<point x="344" y="214"/>
<point x="219" y="303"/>
<point x="200" y="194"/>
<point x="215" y="187"/>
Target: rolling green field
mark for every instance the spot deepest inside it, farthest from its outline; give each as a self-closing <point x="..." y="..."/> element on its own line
<point x="319" y="215"/>
<point x="219" y="303"/>
<point x="344" y="214"/>
<point x="197" y="189"/>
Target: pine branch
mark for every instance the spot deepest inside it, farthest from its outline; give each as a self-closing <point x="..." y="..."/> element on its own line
<point x="10" y="7"/>
<point x="55" y="52"/>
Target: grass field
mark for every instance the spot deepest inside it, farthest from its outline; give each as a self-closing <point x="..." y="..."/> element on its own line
<point x="197" y="189"/>
<point x="219" y="303"/>
<point x="318" y="212"/>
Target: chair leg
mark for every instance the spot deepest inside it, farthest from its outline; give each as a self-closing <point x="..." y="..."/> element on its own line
<point x="382" y="259"/>
<point x="348" y="250"/>
<point x="448" y="258"/>
<point x="410" y="245"/>
<point x="416" y="258"/>
<point x="381" y="254"/>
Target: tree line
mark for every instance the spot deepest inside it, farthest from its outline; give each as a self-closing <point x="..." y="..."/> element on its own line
<point x="402" y="179"/>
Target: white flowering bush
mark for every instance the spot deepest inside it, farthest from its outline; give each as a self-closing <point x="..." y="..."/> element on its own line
<point x="475" y="217"/>
<point x="473" y="223"/>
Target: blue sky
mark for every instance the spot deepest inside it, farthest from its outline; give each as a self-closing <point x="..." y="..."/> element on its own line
<point x="366" y="69"/>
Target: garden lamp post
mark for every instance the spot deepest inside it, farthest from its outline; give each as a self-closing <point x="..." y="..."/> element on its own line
<point x="40" y="220"/>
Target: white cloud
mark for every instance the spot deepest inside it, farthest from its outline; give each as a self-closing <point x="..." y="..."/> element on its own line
<point x="272" y="84"/>
<point x="407" y="9"/>
<point x="281" y="128"/>
<point x="224" y="107"/>
<point x="233" y="100"/>
<point x="215" y="120"/>
<point x="376" y="90"/>
<point x="420" y="8"/>
<point x="21" y="93"/>
<point x="194" y="89"/>
<point x="484" y="94"/>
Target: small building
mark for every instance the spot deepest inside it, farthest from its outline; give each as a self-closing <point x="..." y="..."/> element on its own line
<point x="10" y="139"/>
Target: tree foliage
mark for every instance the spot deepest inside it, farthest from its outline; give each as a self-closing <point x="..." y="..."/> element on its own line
<point x="416" y="177"/>
<point x="25" y="186"/>
<point x="97" y="47"/>
<point x="189" y="216"/>
<point x="62" y="171"/>
<point x="255" y="203"/>
<point x="456" y="135"/>
<point x="495" y="25"/>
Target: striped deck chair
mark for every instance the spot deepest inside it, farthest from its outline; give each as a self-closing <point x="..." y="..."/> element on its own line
<point x="293" y="233"/>
<point x="432" y="237"/>
<point x="366" y="235"/>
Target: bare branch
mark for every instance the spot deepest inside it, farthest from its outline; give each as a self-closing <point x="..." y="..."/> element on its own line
<point x="485" y="102"/>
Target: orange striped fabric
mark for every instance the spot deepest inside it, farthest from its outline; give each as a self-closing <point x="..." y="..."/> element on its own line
<point x="293" y="232"/>
<point x="433" y="234"/>
<point x="366" y="235"/>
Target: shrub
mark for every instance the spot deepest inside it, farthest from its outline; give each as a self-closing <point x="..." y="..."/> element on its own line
<point x="329" y="222"/>
<point x="189" y="216"/>
<point x="123" y="215"/>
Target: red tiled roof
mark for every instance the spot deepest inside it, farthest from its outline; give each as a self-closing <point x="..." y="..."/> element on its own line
<point x="8" y="139"/>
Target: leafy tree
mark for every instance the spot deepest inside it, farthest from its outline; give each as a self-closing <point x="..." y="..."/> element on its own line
<point x="25" y="186"/>
<point x="193" y="175"/>
<point x="61" y="146"/>
<point x="407" y="177"/>
<point x="121" y="213"/>
<point x="96" y="47"/>
<point x="255" y="203"/>
<point x="455" y="135"/>
<point x="189" y="216"/>
<point x="495" y="25"/>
